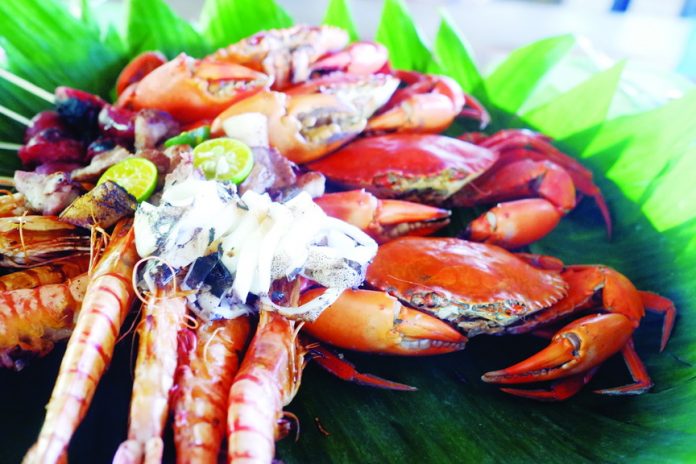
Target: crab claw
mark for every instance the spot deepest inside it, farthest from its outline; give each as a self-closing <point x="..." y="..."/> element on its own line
<point x="138" y="68"/>
<point x="576" y="348"/>
<point x="285" y="54"/>
<point x="383" y="220"/>
<point x="356" y="58"/>
<point x="522" y="144"/>
<point x="367" y="93"/>
<point x="301" y="127"/>
<point x="514" y="224"/>
<point x="366" y="320"/>
<point x="429" y="103"/>
<point x="191" y="90"/>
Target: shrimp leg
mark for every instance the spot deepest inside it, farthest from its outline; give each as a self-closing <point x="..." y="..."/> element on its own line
<point x="108" y="299"/>
<point x="202" y="384"/>
<point x="162" y="318"/>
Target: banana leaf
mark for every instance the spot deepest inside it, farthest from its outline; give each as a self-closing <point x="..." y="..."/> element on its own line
<point x="642" y="162"/>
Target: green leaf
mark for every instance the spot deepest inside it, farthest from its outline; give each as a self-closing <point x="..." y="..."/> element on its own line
<point x="523" y="70"/>
<point x="225" y="22"/>
<point x="588" y="103"/>
<point x="9" y="163"/>
<point x="82" y="60"/>
<point x="153" y="25"/>
<point x="338" y="14"/>
<point x="672" y="200"/>
<point x="649" y="141"/>
<point x="398" y="32"/>
<point x="456" y="59"/>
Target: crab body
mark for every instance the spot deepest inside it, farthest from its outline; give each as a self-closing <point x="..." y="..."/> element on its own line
<point x="477" y="287"/>
<point x="484" y="289"/>
<point x="427" y="168"/>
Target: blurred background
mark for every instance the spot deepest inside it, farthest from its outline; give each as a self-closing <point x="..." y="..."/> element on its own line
<point x="658" y="33"/>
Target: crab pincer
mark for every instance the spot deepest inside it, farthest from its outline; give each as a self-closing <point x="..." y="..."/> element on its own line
<point x="375" y="322"/>
<point x="529" y="167"/>
<point x="578" y="348"/>
<point x="383" y="220"/>
<point x="314" y="118"/>
<point x="427" y="103"/>
<point x="193" y="90"/>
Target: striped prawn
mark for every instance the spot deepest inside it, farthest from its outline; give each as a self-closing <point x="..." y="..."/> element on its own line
<point x="268" y="379"/>
<point x="203" y="381"/>
<point x="162" y="318"/>
<point x="107" y="300"/>
<point x="13" y="204"/>
<point x="54" y="273"/>
<point x="33" y="318"/>
<point x="27" y="241"/>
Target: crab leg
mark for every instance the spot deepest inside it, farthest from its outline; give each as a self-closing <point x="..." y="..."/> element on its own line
<point x="344" y="370"/>
<point x="641" y="379"/>
<point x="584" y="281"/>
<point x="661" y="305"/>
<point x="383" y="220"/>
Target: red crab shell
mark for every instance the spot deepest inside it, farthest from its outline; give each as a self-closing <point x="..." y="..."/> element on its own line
<point x="422" y="167"/>
<point x="482" y="288"/>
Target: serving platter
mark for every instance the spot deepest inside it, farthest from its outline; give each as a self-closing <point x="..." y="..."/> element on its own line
<point x="642" y="162"/>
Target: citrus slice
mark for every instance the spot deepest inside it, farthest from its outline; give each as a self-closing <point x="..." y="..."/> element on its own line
<point x="193" y="137"/>
<point x="224" y="159"/>
<point x="138" y="176"/>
